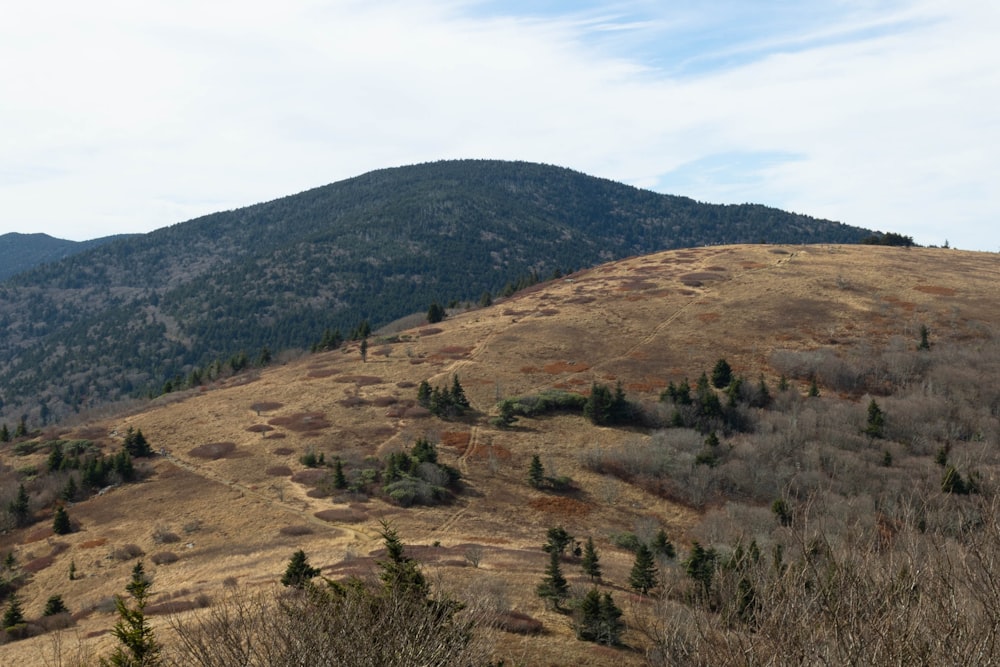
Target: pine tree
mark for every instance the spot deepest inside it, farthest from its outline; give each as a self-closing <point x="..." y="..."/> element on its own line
<point x="813" y="388"/>
<point x="435" y="313"/>
<point x="458" y="394"/>
<point x="536" y="472"/>
<point x="60" y="523"/>
<point x="22" y="429"/>
<point x="700" y="566"/>
<point x="611" y="625"/>
<point x="554" y="587"/>
<point x="591" y="562"/>
<point x="925" y="344"/>
<point x="4" y="433"/>
<point x="557" y="539"/>
<point x="364" y="350"/>
<point x="588" y="616"/>
<point x="643" y="575"/>
<point x="136" y="643"/>
<point x="299" y="572"/>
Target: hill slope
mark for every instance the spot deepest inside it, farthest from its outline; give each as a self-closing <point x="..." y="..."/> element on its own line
<point x="22" y="252"/>
<point x="233" y="489"/>
<point x="125" y="317"/>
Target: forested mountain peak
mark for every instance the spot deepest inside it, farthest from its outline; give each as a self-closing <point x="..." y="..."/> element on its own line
<point x="124" y="317"/>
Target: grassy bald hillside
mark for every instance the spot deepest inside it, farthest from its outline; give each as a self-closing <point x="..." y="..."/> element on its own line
<point x="124" y="319"/>
<point x="806" y="533"/>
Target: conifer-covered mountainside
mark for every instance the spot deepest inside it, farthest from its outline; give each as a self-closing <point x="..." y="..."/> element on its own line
<point x="123" y="318"/>
<point x="21" y="252"/>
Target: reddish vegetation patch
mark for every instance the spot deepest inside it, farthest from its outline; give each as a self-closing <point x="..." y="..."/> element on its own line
<point x="644" y="387"/>
<point x="457" y="439"/>
<point x="581" y="299"/>
<point x="406" y="384"/>
<point x="341" y="515"/>
<point x="548" y="312"/>
<point x="38" y="534"/>
<point x="560" y="505"/>
<point x="497" y="452"/>
<point x="528" y="370"/>
<point x="213" y="450"/>
<point x="38" y="564"/>
<point x="937" y="290"/>
<point x="565" y="367"/>
<point x="634" y="285"/>
<point x="361" y="380"/>
<point x="634" y="297"/>
<point x="321" y="373"/>
<point x="515" y="313"/>
<point x="752" y="265"/>
<point x="302" y="421"/>
<point x="908" y="306"/>
<point x="518" y="623"/>
<point x="310" y="477"/>
<point x="384" y="401"/>
<point x="715" y="268"/>
<point x="417" y="412"/>
<point x="708" y="317"/>
<point x="266" y="406"/>
<point x="352" y="402"/>
<point x="90" y="544"/>
<point x="91" y="433"/>
<point x="275" y="436"/>
<point x="430" y="331"/>
<point x="279" y="471"/>
<point x="260" y="428"/>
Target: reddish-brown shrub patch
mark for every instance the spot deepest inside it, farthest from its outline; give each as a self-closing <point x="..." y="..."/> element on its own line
<point x="301" y="421"/>
<point x="708" y="317"/>
<point x="324" y="373"/>
<point x="341" y="515"/>
<point x="565" y="367"/>
<point x="279" y="471"/>
<point x="265" y="406"/>
<point x="519" y="623"/>
<point x="561" y="505"/>
<point x="459" y="439"/>
<point x="283" y="451"/>
<point x="430" y="331"/>
<point x="90" y="544"/>
<point x="213" y="450"/>
<point x="936" y="290"/>
<point x="384" y="401"/>
<point x="275" y="436"/>
<point x="260" y="428"/>
<point x="38" y="564"/>
<point x="352" y="402"/>
<point x="548" y="312"/>
<point x="296" y="530"/>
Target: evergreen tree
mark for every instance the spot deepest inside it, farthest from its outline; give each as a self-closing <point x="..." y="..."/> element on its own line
<point x="60" y="523"/>
<point x="339" y="480"/>
<point x="700" y="566"/>
<point x="643" y="575"/>
<point x="485" y="300"/>
<point x="813" y="388"/>
<point x="435" y="313"/>
<point x="136" y="444"/>
<point x="458" y="394"/>
<point x="22" y="429"/>
<point x="875" y="427"/>
<point x="598" y="406"/>
<point x="557" y="539"/>
<point x="55" y="457"/>
<point x="612" y="625"/>
<point x="364" y="350"/>
<point x="722" y="374"/>
<point x="137" y="646"/>
<point x="400" y="573"/>
<point x="4" y="433"/>
<point x="536" y="473"/>
<point x="54" y="605"/>
<point x="424" y="394"/>
<point x="662" y="546"/>
<point x="19" y="508"/>
<point x="925" y="344"/>
<point x="14" y="614"/>
<point x="72" y="570"/>
<point x="299" y="572"/>
<point x="591" y="562"/>
<point x="554" y="587"/>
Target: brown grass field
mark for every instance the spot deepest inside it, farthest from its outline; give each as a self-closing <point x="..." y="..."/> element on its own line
<point x="231" y="488"/>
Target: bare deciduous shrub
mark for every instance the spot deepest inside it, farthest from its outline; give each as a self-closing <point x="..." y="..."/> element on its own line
<point x="127" y="552"/>
<point x="163" y="535"/>
<point x="298" y="529"/>
<point x="164" y="558"/>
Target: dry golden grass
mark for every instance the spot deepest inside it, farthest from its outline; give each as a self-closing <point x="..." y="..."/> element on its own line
<point x="644" y="321"/>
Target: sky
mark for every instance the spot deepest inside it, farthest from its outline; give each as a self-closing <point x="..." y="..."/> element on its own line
<point x="122" y="116"/>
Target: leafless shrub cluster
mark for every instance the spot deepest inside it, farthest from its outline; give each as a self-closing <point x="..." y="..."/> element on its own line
<point x="319" y="627"/>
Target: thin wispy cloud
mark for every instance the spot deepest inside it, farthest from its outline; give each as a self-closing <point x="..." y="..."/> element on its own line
<point x="124" y="117"/>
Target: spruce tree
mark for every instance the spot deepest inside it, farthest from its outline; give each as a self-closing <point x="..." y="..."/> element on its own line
<point x="60" y="523"/>
<point x="136" y="643"/>
<point x="400" y="573"/>
<point x="458" y="394"/>
<point x="557" y="539"/>
<point x="875" y="427"/>
<point x="611" y="624"/>
<point x="54" y="605"/>
<point x="22" y="429"/>
<point x="4" y="433"/>
<point x="554" y="587"/>
<point x="339" y="480"/>
<point x="14" y="614"/>
<point x="722" y="374"/>
<point x="299" y="572"/>
<point x="591" y="562"/>
<point x="536" y="472"/>
<point x="662" y="546"/>
<point x="643" y="575"/>
<point x="19" y="508"/>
